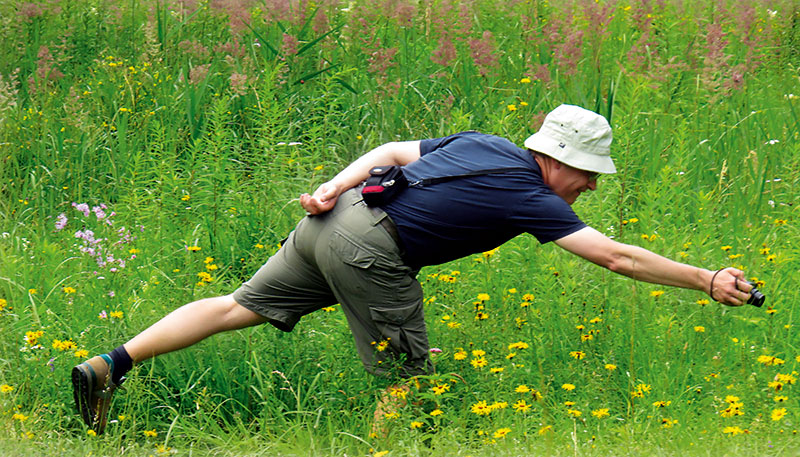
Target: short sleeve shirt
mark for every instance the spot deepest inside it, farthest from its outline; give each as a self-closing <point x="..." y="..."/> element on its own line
<point x="452" y="219"/>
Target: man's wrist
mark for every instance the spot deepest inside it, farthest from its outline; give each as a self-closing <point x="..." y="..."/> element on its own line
<point x="704" y="280"/>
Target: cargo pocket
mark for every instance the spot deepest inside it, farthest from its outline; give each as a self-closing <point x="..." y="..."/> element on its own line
<point x="404" y="328"/>
<point x="351" y="253"/>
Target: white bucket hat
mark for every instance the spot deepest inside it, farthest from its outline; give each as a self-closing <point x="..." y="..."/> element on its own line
<point x="577" y="137"/>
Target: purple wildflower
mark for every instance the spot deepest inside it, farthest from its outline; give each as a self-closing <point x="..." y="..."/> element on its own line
<point x="29" y="11"/>
<point x="61" y="221"/>
<point x="445" y="53"/>
<point x="98" y="211"/>
<point x="197" y="74"/>
<point x="238" y="83"/>
<point x="381" y="60"/>
<point x="289" y="45"/>
<point x="44" y="65"/>
<point x="82" y="207"/>
<point x="194" y="48"/>
<point x="483" y="53"/>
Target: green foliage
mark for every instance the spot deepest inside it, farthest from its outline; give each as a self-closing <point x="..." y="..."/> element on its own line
<point x="198" y="126"/>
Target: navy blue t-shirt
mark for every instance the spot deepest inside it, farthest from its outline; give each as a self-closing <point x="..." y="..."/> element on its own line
<point x="449" y="220"/>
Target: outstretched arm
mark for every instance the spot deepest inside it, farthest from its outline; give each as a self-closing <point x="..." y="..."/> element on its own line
<point x="324" y="198"/>
<point x="639" y="263"/>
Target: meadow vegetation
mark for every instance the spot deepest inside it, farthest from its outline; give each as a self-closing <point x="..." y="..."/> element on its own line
<point x="152" y="152"/>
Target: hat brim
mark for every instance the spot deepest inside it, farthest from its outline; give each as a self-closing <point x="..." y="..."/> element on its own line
<point x="571" y="156"/>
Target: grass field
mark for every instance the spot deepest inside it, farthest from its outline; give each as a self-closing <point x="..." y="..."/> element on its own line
<point x="152" y="153"/>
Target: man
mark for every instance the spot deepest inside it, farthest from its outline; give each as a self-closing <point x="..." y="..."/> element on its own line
<point x="367" y="258"/>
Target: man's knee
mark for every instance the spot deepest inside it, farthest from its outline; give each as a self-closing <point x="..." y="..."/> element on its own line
<point x="229" y="314"/>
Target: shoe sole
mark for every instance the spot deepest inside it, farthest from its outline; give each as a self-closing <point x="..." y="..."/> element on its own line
<point x="81" y="390"/>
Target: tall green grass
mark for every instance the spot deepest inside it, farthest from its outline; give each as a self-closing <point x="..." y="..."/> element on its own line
<point x="199" y="126"/>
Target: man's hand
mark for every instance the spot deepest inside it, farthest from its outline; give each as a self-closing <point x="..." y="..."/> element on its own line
<point x="323" y="200"/>
<point x="394" y="153"/>
<point x="730" y="287"/>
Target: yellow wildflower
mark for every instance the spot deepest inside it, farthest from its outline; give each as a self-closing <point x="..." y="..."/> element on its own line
<point x="668" y="423"/>
<point x="481" y="408"/>
<point x="777" y="414"/>
<point x="769" y="360"/>
<point x="479" y="362"/>
<point x="775" y="385"/>
<point x="521" y="406"/>
<point x="732" y="431"/>
<point x="398" y="392"/>
<point x="439" y="389"/>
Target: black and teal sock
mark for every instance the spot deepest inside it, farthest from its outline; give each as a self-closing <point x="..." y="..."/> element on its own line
<point x="122" y="363"/>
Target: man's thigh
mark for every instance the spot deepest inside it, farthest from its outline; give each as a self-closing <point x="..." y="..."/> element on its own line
<point x="285" y="288"/>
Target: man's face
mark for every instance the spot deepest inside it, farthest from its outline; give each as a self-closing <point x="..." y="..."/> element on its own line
<point x="568" y="182"/>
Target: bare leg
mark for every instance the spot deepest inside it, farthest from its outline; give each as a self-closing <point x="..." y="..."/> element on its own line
<point x="392" y="399"/>
<point x="189" y="324"/>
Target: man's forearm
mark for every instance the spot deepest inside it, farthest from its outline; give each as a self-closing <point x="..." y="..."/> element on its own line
<point x="398" y="153"/>
<point x="324" y="198"/>
<point x="641" y="264"/>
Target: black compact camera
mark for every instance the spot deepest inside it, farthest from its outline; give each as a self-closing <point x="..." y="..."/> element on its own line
<point x="384" y="183"/>
<point x="756" y="297"/>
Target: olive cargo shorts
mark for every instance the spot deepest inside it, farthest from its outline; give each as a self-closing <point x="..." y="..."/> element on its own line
<point x="344" y="256"/>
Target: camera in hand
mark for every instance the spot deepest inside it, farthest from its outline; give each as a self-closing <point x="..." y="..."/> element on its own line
<point x="756" y="297"/>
